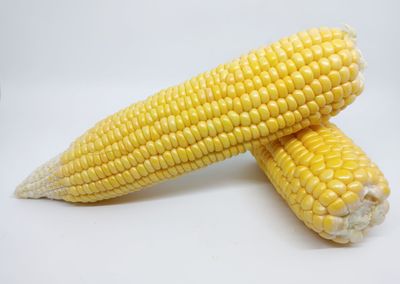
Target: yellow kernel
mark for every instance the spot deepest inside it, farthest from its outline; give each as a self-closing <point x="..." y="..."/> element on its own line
<point x="337" y="186"/>
<point x="273" y="108"/>
<point x="356" y="187"/>
<point x="318" y="223"/>
<point x="327" y="197"/>
<point x="317" y="168"/>
<point x="334" y="163"/>
<point x="333" y="224"/>
<point x="351" y="199"/>
<point x="311" y="184"/>
<point x="245" y="119"/>
<point x="325" y="66"/>
<point x="338" y="208"/>
<point x="298" y="80"/>
<point x="299" y="97"/>
<point x="291" y="102"/>
<point x="318" y="208"/>
<point x="361" y="175"/>
<point x="307" y="202"/>
<point x="319" y="189"/>
<point x="272" y="125"/>
<point x="344" y="175"/>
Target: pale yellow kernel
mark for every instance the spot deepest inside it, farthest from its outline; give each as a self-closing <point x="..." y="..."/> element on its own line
<point x="301" y="194"/>
<point x="337" y="186"/>
<point x="360" y="175"/>
<point x="335" y="61"/>
<point x="327" y="197"/>
<point x="354" y="71"/>
<point x="254" y="116"/>
<point x="334" y="77"/>
<point x="298" y="80"/>
<point x="307" y="202"/>
<point x="245" y="119"/>
<point x="325" y="66"/>
<point x="264" y="112"/>
<point x="255" y="99"/>
<point x="299" y="97"/>
<point x="351" y="199"/>
<point x="313" y="107"/>
<point x="316" y="86"/>
<point x="307" y="74"/>
<point x="298" y="60"/>
<point x="325" y="83"/>
<point x="356" y="187"/>
<point x="338" y="208"/>
<point x="318" y="223"/>
<point x="333" y="224"/>
<point x="311" y="184"/>
<point x="246" y="102"/>
<point x="282" y="89"/>
<point x="304" y="177"/>
<point x="318" y="208"/>
<point x="273" y="108"/>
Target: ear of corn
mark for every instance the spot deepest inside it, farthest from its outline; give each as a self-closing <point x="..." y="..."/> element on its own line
<point x="268" y="93"/>
<point x="328" y="182"/>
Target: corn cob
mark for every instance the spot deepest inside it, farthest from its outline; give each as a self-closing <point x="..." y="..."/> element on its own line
<point x="329" y="182"/>
<point x="268" y="93"/>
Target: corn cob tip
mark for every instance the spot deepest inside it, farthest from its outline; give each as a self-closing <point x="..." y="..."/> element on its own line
<point x="43" y="182"/>
<point x="352" y="33"/>
<point x="371" y="212"/>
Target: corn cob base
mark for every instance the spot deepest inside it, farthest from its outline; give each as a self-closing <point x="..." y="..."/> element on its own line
<point x="328" y="182"/>
<point x="269" y="93"/>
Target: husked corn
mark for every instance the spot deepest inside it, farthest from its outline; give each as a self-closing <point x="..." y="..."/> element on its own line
<point x="270" y="92"/>
<point x="328" y="182"/>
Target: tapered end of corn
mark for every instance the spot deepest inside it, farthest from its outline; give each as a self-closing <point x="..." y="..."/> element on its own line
<point x="43" y="182"/>
<point x="352" y="33"/>
<point x="371" y="211"/>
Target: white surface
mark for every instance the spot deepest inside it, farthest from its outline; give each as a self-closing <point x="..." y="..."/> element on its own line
<point x="66" y="64"/>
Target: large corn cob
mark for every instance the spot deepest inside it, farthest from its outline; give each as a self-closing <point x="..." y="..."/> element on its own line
<point x="328" y="182"/>
<point x="270" y="92"/>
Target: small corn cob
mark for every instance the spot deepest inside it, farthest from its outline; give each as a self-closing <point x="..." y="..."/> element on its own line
<point x="268" y="93"/>
<point x="328" y="182"/>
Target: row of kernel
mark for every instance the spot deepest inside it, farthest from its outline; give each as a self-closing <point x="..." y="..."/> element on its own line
<point x="82" y="193"/>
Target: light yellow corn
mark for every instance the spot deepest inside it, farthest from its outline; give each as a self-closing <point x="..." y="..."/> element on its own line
<point x="268" y="93"/>
<point x="328" y="182"/>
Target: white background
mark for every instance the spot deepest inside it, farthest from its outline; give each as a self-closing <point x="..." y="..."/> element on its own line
<point x="66" y="64"/>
